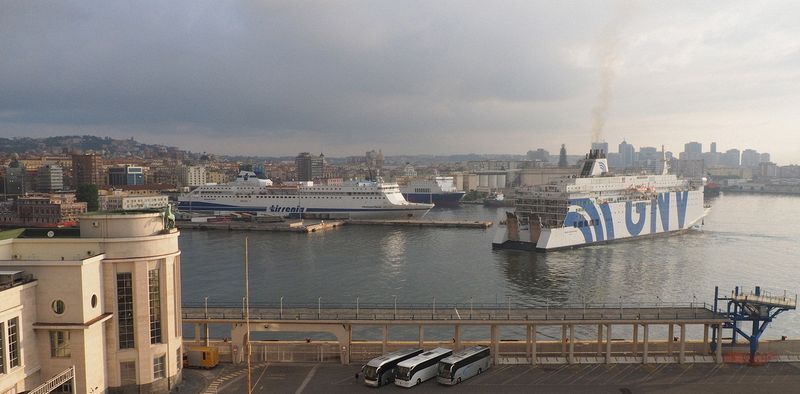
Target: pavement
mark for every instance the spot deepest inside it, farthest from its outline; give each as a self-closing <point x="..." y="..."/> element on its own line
<point x="586" y="378"/>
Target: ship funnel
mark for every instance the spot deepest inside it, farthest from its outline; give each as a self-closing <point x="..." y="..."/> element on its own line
<point x="596" y="164"/>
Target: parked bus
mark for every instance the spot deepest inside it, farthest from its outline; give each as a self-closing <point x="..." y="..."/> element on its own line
<point x="463" y="365"/>
<point x="420" y="368"/>
<point x="380" y="370"/>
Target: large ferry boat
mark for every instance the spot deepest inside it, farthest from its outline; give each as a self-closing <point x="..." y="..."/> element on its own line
<point x="596" y="206"/>
<point x="351" y="200"/>
<point x="440" y="191"/>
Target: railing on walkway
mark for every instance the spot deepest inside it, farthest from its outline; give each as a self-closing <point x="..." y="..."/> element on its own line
<point x="450" y="311"/>
<point x="55" y="382"/>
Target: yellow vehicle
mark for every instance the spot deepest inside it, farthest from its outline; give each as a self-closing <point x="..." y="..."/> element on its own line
<point x="201" y="357"/>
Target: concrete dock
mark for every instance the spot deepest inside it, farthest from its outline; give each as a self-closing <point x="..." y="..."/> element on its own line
<point x="482" y="224"/>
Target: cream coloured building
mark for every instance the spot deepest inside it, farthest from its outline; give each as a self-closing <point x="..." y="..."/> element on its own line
<point x="104" y="299"/>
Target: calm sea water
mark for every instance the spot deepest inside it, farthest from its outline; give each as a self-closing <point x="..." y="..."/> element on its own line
<point x="747" y="240"/>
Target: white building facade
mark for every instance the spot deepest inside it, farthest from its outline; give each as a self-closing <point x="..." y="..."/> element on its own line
<point x="104" y="300"/>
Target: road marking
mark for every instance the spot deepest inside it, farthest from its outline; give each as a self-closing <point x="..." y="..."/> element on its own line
<point x="262" y="374"/>
<point x="516" y="376"/>
<point x="675" y="379"/>
<point x="584" y="373"/>
<point x="307" y="379"/>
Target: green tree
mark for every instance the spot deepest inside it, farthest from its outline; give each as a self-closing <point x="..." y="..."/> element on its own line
<point x="87" y="194"/>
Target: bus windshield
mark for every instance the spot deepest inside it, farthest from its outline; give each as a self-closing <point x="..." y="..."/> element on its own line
<point x="403" y="373"/>
<point x="445" y="370"/>
<point x="371" y="373"/>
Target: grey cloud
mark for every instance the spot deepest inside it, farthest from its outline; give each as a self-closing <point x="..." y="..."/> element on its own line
<point x="420" y="76"/>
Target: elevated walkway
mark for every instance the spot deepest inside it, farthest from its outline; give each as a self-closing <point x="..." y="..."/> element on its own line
<point x="340" y="319"/>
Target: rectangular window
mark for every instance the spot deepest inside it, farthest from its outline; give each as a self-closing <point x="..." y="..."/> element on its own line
<point x="2" y="349"/>
<point x="125" y="309"/>
<point x="159" y="367"/>
<point x="155" y="306"/>
<point x="59" y="344"/>
<point x="13" y="343"/>
<point x="127" y="373"/>
<point x="179" y="359"/>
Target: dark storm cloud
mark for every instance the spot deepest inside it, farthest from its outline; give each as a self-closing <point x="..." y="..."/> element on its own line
<point x="272" y="66"/>
<point x="278" y="77"/>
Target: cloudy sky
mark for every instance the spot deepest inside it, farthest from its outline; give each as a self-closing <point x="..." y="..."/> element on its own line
<point x="278" y="77"/>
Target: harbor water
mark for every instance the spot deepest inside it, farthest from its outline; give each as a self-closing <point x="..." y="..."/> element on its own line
<point x="747" y="240"/>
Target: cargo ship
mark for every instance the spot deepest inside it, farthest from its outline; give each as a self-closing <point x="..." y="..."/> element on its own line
<point x="439" y="191"/>
<point x="350" y="200"/>
<point x="598" y="207"/>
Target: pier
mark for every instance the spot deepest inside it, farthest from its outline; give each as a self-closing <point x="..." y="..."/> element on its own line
<point x="480" y="224"/>
<point x="340" y="320"/>
<point x="296" y="226"/>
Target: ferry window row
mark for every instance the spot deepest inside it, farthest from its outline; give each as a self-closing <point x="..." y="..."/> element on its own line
<point x="585" y="223"/>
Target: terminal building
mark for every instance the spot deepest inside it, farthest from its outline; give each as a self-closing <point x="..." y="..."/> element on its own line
<point x="93" y="309"/>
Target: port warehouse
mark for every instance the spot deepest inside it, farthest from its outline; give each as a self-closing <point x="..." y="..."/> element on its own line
<point x="596" y="334"/>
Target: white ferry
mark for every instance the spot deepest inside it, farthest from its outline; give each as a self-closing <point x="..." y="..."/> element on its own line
<point x="596" y="207"/>
<point x="356" y="200"/>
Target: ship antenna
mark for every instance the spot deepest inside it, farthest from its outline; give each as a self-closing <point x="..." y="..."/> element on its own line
<point x="665" y="170"/>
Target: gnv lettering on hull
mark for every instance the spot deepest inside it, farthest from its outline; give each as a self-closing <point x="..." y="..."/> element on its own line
<point x="659" y="207"/>
<point x="278" y="208"/>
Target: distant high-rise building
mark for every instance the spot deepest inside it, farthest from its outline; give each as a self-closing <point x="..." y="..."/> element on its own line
<point x="713" y="147"/>
<point x="626" y="154"/>
<point x="126" y="175"/>
<point x="87" y="169"/>
<point x="309" y="167"/>
<point x="750" y="158"/>
<point x="192" y="176"/>
<point x="562" y="157"/>
<point x="764" y="158"/>
<point x="730" y="158"/>
<point x="601" y="146"/>
<point x="14" y="179"/>
<point x="692" y="151"/>
<point x="374" y="159"/>
<point x="50" y="178"/>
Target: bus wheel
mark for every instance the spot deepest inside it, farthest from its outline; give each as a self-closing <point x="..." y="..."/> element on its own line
<point x="419" y="381"/>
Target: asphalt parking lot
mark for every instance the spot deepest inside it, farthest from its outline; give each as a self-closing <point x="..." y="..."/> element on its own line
<point x="587" y="378"/>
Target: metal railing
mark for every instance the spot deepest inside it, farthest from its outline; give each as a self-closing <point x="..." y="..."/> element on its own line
<point x="55" y="382"/>
<point x="450" y="311"/>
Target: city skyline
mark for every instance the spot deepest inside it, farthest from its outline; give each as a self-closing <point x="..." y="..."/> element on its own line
<point x="435" y="78"/>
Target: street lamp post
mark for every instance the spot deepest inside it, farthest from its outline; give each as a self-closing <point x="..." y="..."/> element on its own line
<point x="281" y="310"/>
<point x="470" y="308"/>
<point x="205" y="305"/>
<point x="319" y="307"/>
<point x="508" y="298"/>
<point x="547" y="308"/>
<point x="395" y="306"/>
<point x="658" y="306"/>
<point x="584" y="305"/>
<point x="356" y="307"/>
<point x="433" y="315"/>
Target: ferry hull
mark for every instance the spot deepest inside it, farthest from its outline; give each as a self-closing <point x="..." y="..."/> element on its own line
<point x="415" y="211"/>
<point x="668" y="213"/>
<point x="438" y="199"/>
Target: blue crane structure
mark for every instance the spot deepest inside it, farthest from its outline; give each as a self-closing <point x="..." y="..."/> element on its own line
<point x="757" y="307"/>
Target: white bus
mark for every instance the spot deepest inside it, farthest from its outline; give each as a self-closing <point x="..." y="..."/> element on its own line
<point x="463" y="365"/>
<point x="420" y="368"/>
<point x="380" y="370"/>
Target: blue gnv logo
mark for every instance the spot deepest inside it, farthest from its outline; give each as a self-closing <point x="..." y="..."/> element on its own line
<point x="278" y="208"/>
<point x="635" y="214"/>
